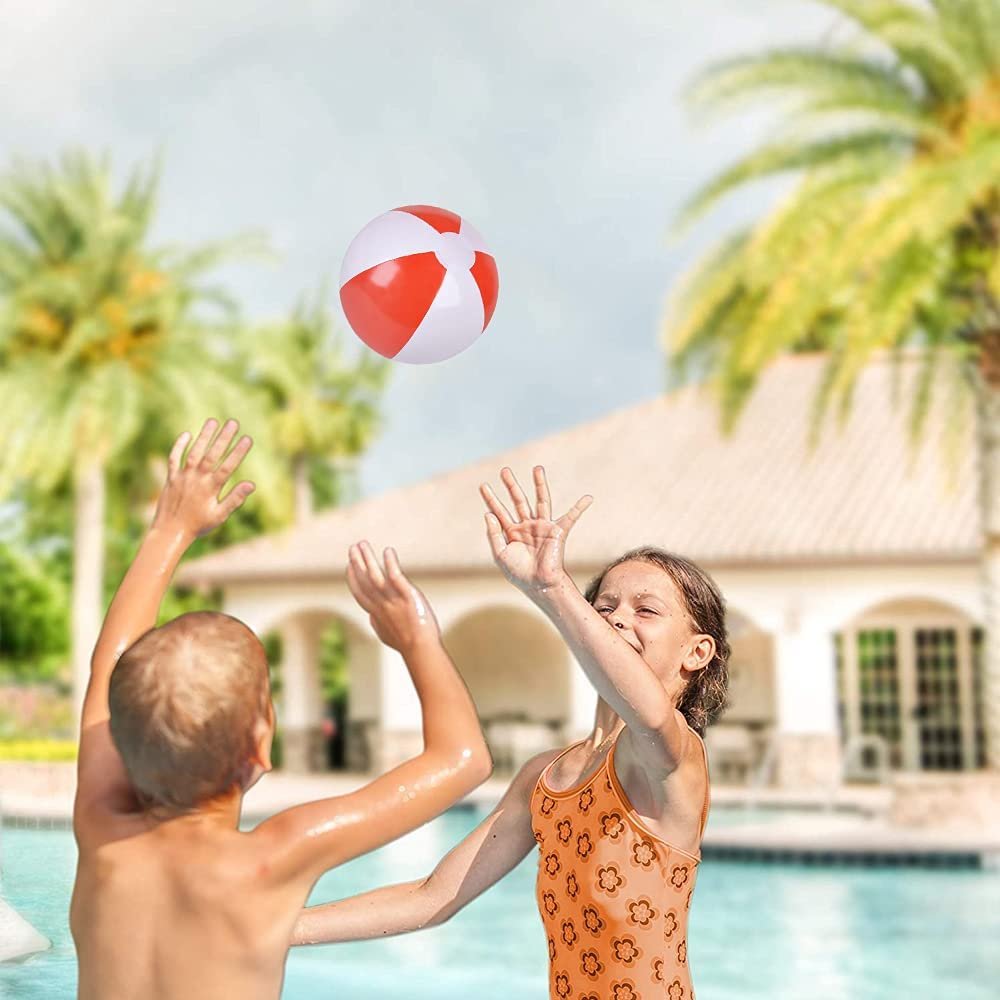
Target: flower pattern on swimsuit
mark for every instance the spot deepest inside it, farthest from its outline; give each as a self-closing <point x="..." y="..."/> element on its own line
<point x="613" y="897"/>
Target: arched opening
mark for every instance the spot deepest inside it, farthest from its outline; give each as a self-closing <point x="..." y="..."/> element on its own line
<point x="327" y="692"/>
<point x="738" y="742"/>
<point x="909" y="689"/>
<point x="518" y="672"/>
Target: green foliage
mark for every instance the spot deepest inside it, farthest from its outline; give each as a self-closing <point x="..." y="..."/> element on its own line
<point x="42" y="751"/>
<point x="333" y="679"/>
<point x="108" y="348"/>
<point x="333" y="664"/>
<point x="889" y="233"/>
<point x="322" y="407"/>
<point x="33" y="607"/>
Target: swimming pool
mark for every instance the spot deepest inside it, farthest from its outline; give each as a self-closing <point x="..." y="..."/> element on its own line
<point x="756" y="931"/>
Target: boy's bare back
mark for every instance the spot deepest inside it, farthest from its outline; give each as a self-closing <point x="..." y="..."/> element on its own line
<point x="182" y="910"/>
<point x="172" y="901"/>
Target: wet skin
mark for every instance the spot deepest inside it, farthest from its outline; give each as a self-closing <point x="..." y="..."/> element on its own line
<point x="188" y="906"/>
<point x="638" y="648"/>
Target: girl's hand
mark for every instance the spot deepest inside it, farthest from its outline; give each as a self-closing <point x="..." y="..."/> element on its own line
<point x="190" y="498"/>
<point x="529" y="550"/>
<point x="399" y="613"/>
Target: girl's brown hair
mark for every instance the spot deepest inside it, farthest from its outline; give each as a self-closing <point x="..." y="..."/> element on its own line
<point x="704" y="698"/>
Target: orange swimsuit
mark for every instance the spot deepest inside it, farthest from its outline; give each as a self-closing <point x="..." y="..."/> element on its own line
<point x="613" y="896"/>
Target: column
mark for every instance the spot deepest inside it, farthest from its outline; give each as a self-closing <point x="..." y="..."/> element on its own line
<point x="302" y="703"/>
<point x="808" y="742"/>
<point x="401" y="733"/>
<point x="582" y="702"/>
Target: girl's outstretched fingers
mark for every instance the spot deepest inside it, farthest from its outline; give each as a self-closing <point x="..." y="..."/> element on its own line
<point x="495" y="534"/>
<point x="542" y="499"/>
<point x="573" y="514"/>
<point x="521" y="504"/>
<point x="494" y="503"/>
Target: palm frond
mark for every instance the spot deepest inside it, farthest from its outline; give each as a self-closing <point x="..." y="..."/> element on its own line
<point x="926" y="200"/>
<point x="914" y="36"/>
<point x="966" y="27"/>
<point x="881" y="147"/>
<point x="803" y="75"/>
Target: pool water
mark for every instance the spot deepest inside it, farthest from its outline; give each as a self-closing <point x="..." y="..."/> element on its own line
<point x="756" y="931"/>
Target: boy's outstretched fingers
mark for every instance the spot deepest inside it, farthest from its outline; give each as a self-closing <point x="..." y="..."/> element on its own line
<point x="354" y="578"/>
<point x="371" y="564"/>
<point x="218" y="447"/>
<point x="236" y="496"/>
<point x="177" y="453"/>
<point x="394" y="571"/>
<point x="197" y="452"/>
<point x="233" y="459"/>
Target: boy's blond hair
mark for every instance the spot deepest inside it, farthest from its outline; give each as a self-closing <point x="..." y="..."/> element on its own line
<point x="185" y="700"/>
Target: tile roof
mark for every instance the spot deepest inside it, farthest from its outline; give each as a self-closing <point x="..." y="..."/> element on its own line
<point x="663" y="473"/>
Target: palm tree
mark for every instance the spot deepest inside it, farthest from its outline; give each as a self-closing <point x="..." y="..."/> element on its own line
<point x="104" y="343"/>
<point x="888" y="236"/>
<point x="323" y="409"/>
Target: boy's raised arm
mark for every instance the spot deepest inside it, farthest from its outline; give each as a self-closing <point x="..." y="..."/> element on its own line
<point x="306" y="840"/>
<point x="188" y="507"/>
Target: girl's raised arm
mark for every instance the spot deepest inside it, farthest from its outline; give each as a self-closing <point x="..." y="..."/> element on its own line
<point x="529" y="548"/>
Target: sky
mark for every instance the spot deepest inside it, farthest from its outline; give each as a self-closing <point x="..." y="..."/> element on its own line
<point x="558" y="129"/>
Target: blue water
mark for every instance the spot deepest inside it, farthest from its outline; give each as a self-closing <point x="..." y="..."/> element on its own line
<point x="756" y="931"/>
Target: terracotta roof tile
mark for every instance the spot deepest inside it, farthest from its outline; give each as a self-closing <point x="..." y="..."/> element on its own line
<point x="662" y="473"/>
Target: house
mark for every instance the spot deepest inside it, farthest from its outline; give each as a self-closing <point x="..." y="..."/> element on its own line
<point x="850" y="573"/>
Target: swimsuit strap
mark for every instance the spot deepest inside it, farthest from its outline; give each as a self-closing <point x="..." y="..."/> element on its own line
<point x="704" y="754"/>
<point x="708" y="793"/>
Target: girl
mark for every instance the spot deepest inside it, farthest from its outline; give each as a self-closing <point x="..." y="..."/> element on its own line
<point x="618" y="817"/>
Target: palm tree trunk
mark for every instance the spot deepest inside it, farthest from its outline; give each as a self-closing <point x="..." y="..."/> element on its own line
<point x="987" y="381"/>
<point x="88" y="570"/>
<point x="303" y="491"/>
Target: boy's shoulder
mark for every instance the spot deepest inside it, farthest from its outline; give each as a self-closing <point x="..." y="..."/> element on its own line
<point x="134" y="841"/>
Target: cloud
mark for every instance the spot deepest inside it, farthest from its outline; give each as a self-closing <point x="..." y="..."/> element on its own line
<point x="555" y="127"/>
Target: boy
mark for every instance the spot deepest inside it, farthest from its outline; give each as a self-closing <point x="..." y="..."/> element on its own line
<point x="171" y="899"/>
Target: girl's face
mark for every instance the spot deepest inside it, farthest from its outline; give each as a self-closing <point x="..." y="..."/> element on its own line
<point x="642" y="603"/>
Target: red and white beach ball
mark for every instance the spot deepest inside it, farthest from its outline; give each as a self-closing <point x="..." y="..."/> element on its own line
<point x="418" y="284"/>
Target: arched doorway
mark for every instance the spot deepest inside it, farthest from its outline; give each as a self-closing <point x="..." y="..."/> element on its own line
<point x="738" y="741"/>
<point x="518" y="672"/>
<point x="909" y="687"/>
<point x="327" y="690"/>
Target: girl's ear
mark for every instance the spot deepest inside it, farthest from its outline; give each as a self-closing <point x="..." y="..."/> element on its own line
<point x="700" y="653"/>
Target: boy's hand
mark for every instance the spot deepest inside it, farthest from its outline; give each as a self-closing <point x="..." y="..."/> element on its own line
<point x="530" y="549"/>
<point x="398" y="611"/>
<point x="190" y="498"/>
